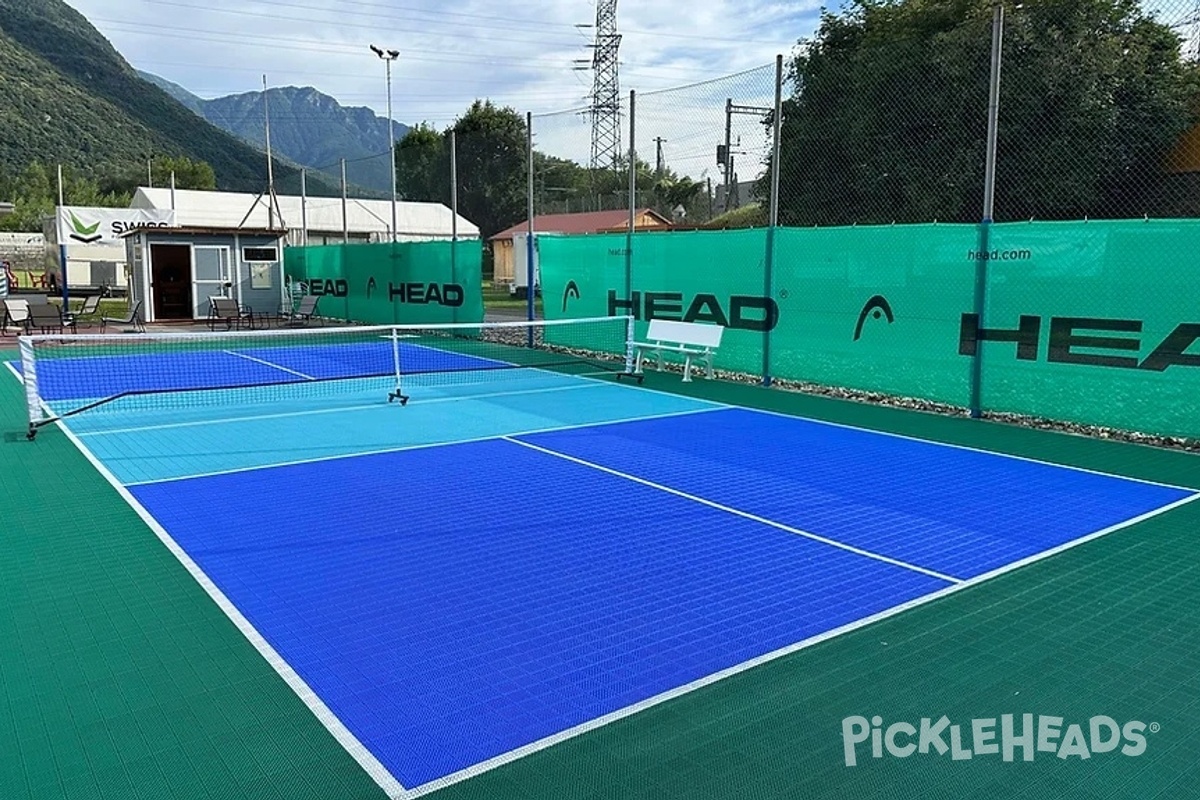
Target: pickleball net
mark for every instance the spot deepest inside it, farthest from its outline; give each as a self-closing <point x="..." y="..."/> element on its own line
<point x="70" y="374"/>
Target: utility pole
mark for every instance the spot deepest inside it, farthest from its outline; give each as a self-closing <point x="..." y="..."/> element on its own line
<point x="725" y="153"/>
<point x="658" y="169"/>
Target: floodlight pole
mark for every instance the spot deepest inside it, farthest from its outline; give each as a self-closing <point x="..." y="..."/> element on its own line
<point x="975" y="403"/>
<point x="388" y="57"/>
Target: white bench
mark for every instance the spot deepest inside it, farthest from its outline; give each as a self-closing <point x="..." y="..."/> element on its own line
<point x="689" y="339"/>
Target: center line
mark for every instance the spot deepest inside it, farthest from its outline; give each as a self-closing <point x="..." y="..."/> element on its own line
<point x="269" y="364"/>
<point x="744" y="514"/>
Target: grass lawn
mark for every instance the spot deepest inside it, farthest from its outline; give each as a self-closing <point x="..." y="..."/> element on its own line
<point x="498" y="297"/>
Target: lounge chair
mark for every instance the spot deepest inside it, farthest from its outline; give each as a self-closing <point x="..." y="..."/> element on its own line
<point x="134" y="318"/>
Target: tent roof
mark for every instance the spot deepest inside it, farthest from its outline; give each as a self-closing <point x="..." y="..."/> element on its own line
<point x="195" y="208"/>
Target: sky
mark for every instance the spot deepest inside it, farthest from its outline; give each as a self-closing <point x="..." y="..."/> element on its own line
<point x="519" y="54"/>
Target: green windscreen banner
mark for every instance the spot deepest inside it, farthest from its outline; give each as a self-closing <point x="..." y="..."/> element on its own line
<point x="1089" y="322"/>
<point x="698" y="276"/>
<point x="874" y="308"/>
<point x="1101" y="319"/>
<point x="401" y="283"/>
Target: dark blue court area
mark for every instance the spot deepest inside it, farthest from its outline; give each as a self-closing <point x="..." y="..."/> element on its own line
<point x="453" y="603"/>
<point x="95" y="377"/>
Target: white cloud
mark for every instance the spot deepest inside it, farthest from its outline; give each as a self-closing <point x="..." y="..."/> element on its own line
<point x="520" y="54"/>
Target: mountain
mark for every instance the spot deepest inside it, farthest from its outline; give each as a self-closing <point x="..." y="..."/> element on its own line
<point x="67" y="96"/>
<point x="194" y="103"/>
<point x="307" y="127"/>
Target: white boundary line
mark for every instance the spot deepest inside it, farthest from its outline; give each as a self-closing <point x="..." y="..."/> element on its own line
<point x="907" y="437"/>
<point x="336" y="728"/>
<point x="895" y="562"/>
<point x="422" y="446"/>
<point x="317" y="411"/>
<point x="270" y="364"/>
<point x="393" y="788"/>
<point x="699" y="683"/>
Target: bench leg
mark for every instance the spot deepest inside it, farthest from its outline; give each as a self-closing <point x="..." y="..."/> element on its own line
<point x="687" y="369"/>
<point x="637" y="367"/>
<point x="659" y="356"/>
<point x="708" y="363"/>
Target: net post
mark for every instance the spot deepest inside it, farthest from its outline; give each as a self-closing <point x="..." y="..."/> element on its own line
<point x="629" y="344"/>
<point x="33" y="400"/>
<point x="398" y="394"/>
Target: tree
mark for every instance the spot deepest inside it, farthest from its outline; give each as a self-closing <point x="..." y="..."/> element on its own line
<point x="34" y="195"/>
<point x="189" y="174"/>
<point x="491" y="144"/>
<point x="888" y="122"/>
<point x="423" y="165"/>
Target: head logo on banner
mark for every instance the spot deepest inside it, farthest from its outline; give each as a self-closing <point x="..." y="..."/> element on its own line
<point x="106" y="225"/>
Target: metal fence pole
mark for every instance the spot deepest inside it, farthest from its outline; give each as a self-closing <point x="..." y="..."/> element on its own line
<point x="773" y="216"/>
<point x="345" y="218"/>
<point x="989" y="197"/>
<point x="62" y="245"/>
<point x="454" y="211"/>
<point x="632" y="198"/>
<point x="529" y="245"/>
<point x="303" y="207"/>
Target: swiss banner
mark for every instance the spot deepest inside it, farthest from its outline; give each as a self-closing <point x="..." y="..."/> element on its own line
<point x="106" y="225"/>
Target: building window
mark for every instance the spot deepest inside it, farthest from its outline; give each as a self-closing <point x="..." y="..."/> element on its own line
<point x="260" y="275"/>
<point x="260" y="254"/>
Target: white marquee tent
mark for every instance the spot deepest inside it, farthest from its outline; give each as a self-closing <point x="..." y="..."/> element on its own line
<point x="365" y="220"/>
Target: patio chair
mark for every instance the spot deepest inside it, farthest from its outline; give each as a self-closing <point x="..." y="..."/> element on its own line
<point x="16" y="312"/>
<point x="305" y="313"/>
<point x="226" y="309"/>
<point x="45" y="318"/>
<point x="90" y="308"/>
<point x="134" y="318"/>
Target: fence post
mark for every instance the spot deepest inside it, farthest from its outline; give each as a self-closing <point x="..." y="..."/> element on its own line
<point x="345" y="218"/>
<point x="989" y="196"/>
<point x="454" y="212"/>
<point x="530" y="291"/>
<point x="632" y="198"/>
<point x="773" y="214"/>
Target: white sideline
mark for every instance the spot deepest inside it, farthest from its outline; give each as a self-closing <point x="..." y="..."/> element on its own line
<point x="700" y="683"/>
<point x="365" y="758"/>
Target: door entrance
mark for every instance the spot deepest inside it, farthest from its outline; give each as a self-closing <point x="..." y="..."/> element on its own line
<point x="210" y="277"/>
<point x="171" y="280"/>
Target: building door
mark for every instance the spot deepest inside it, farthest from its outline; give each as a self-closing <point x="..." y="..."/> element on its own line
<point x="210" y="278"/>
<point x="171" y="281"/>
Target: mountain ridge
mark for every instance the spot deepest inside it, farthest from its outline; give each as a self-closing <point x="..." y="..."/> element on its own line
<point x="308" y="127"/>
<point x="69" y="97"/>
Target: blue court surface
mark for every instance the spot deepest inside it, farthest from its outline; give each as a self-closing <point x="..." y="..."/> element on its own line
<point x="505" y="560"/>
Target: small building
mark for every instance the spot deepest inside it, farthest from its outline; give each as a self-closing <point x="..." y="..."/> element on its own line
<point x="173" y="271"/>
<point x="364" y="220"/>
<point x="504" y="258"/>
